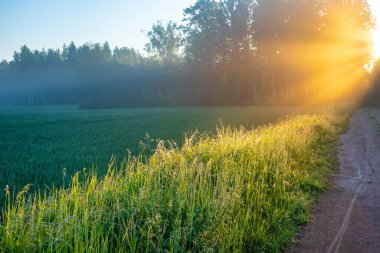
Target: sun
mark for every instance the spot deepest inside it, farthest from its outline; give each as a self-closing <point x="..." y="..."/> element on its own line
<point x="376" y="43"/>
<point x="375" y="8"/>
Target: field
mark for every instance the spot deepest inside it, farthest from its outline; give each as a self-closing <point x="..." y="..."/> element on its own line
<point x="38" y="143"/>
<point x="235" y="190"/>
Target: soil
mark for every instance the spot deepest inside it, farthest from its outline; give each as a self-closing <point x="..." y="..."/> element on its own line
<point x="347" y="217"/>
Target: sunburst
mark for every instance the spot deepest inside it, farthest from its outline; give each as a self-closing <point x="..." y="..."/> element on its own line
<point x="375" y="8"/>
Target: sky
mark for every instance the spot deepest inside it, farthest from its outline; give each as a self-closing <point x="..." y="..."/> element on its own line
<point x="50" y="23"/>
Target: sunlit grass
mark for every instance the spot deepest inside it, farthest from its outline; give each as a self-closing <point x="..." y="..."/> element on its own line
<point x="237" y="190"/>
<point x="38" y="142"/>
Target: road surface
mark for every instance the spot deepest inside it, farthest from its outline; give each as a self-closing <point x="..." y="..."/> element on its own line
<point x="347" y="217"/>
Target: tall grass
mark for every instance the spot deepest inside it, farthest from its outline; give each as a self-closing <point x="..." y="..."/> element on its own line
<point x="36" y="143"/>
<point x="237" y="190"/>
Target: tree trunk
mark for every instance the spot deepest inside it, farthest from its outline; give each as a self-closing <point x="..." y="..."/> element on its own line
<point x="262" y="85"/>
<point x="273" y="88"/>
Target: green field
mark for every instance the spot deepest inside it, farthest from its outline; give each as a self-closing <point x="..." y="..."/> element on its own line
<point x="37" y="143"/>
<point x="233" y="191"/>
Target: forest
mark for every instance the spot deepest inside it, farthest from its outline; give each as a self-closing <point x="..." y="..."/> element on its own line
<point x="230" y="52"/>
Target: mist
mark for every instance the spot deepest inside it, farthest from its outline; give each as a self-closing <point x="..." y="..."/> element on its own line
<point x="227" y="52"/>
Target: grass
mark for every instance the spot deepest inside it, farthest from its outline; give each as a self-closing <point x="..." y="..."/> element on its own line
<point x="236" y="190"/>
<point x="38" y="143"/>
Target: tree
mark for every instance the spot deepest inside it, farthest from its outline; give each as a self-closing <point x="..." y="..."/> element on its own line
<point x="70" y="53"/>
<point x="107" y="53"/>
<point x="4" y="68"/>
<point x="4" y="65"/>
<point x="205" y="26"/>
<point x="23" y="59"/>
<point x="53" y="57"/>
<point x="125" y="55"/>
<point x="164" y="41"/>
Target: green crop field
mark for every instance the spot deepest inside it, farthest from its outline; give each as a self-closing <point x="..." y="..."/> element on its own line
<point x="38" y="143"/>
<point x="235" y="190"/>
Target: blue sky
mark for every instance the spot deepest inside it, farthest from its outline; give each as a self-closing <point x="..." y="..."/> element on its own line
<point x="50" y="23"/>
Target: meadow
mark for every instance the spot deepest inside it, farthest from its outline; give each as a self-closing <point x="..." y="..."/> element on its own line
<point x="233" y="189"/>
<point x="38" y="144"/>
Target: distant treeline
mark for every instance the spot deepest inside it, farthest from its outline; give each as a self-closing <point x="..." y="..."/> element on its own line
<point x="229" y="52"/>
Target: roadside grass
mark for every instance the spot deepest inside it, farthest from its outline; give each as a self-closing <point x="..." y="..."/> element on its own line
<point x="236" y="190"/>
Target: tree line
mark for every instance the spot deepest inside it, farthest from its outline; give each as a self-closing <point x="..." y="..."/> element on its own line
<point x="228" y="52"/>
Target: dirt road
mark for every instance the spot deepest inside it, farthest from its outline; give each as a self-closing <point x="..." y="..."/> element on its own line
<point x="347" y="217"/>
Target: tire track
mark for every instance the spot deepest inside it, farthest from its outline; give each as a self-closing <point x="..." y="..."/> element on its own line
<point x="347" y="218"/>
<point x="336" y="243"/>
